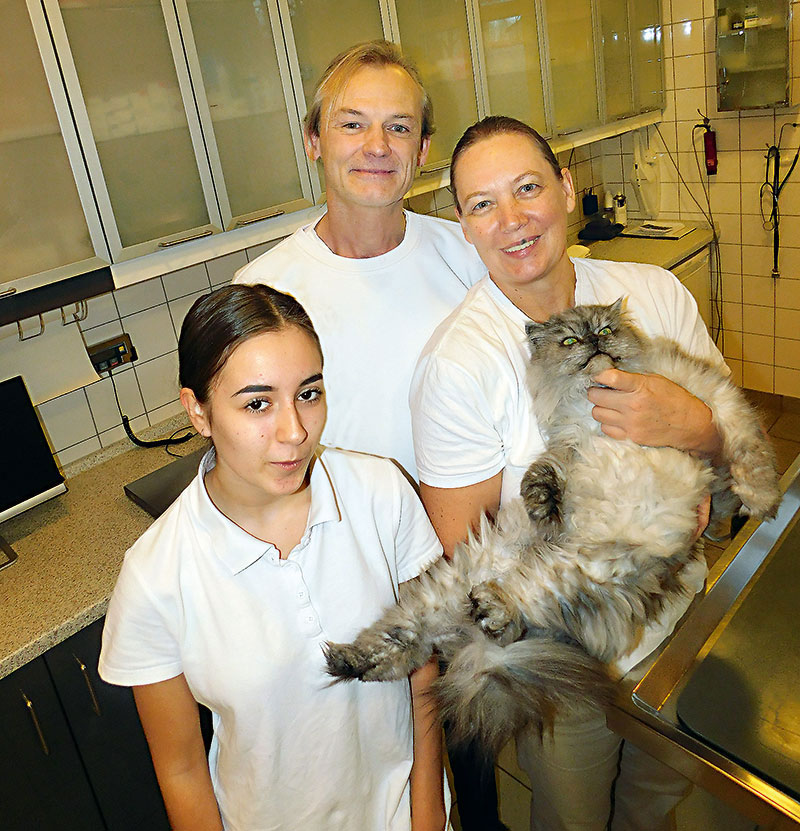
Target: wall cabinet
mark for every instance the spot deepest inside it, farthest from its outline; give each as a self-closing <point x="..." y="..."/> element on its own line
<point x="78" y="760"/>
<point x="752" y="54"/>
<point x="509" y="40"/>
<point x="49" y="226"/>
<point x="633" y="79"/>
<point x="436" y="35"/>
<point x="255" y="148"/>
<point x="573" y="60"/>
<point x="170" y="121"/>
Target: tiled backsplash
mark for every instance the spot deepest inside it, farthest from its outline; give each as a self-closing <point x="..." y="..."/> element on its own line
<point x="151" y="312"/>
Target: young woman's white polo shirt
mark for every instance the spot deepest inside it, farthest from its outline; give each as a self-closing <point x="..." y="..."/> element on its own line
<point x="198" y="595"/>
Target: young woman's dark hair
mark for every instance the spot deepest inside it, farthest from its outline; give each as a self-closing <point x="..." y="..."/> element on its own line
<point x="496" y="125"/>
<point x="218" y="322"/>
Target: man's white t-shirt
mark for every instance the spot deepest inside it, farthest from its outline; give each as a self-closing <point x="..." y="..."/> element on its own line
<point x="373" y="317"/>
<point x="471" y="409"/>
<point x="198" y="595"/>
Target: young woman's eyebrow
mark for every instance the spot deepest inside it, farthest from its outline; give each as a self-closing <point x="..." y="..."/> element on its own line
<point x="251" y="388"/>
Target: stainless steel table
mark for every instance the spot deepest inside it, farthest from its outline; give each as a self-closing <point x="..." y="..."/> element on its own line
<point x="646" y="710"/>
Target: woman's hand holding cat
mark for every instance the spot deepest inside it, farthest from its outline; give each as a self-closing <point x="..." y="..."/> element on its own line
<point x="703" y="516"/>
<point x="652" y="410"/>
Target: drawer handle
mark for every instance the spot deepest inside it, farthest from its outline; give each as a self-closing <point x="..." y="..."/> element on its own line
<point x="93" y="696"/>
<point x="435" y="168"/>
<point x="35" y="720"/>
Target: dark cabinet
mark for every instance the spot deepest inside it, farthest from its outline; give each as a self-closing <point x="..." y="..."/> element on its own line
<point x="76" y="753"/>
<point x="44" y="785"/>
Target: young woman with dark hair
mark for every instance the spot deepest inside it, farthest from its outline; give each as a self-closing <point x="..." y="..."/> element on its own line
<point x="277" y="546"/>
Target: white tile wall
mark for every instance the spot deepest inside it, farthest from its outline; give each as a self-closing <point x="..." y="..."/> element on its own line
<point x="151" y="313"/>
<point x="742" y="141"/>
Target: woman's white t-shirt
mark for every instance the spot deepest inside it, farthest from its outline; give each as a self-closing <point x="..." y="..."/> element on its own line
<point x="471" y="409"/>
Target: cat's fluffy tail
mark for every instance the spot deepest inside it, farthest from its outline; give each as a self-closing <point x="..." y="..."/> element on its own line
<point x="491" y="692"/>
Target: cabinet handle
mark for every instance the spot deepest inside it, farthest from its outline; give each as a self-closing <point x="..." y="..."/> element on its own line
<point x="93" y="696"/>
<point x="35" y="720"/>
<point x="435" y="168"/>
<point x="169" y="243"/>
<point x="7" y="292"/>
<point x="570" y="132"/>
<point x="240" y="222"/>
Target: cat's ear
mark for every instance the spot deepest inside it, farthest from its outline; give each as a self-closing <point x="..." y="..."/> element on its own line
<point x="616" y="306"/>
<point x="534" y="331"/>
<point x="531" y="328"/>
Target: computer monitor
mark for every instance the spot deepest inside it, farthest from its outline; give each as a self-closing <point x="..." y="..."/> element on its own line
<point x="29" y="473"/>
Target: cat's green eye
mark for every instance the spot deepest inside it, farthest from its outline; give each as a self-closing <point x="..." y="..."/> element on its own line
<point x="569" y="341"/>
<point x="606" y="330"/>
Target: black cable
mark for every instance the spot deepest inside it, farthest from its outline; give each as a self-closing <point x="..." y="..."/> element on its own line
<point x="166" y="443"/>
<point x="718" y="330"/>
<point x="773" y="189"/>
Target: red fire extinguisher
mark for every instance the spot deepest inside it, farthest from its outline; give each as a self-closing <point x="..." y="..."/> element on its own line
<point x="710" y="145"/>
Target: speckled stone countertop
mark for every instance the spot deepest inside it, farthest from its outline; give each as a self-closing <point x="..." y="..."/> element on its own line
<point x="70" y="548"/>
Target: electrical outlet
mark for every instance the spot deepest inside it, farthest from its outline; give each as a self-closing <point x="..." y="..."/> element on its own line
<point x="112" y="353"/>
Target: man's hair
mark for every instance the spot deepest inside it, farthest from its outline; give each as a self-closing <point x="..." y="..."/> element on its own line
<point x="344" y="66"/>
<point x="498" y="125"/>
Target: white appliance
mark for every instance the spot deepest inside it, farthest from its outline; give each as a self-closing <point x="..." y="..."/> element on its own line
<point x="695" y="273"/>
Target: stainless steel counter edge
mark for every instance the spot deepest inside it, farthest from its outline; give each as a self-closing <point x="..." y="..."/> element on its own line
<point x="645" y="711"/>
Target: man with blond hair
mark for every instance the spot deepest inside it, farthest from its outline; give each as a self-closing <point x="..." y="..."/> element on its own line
<point x="376" y="280"/>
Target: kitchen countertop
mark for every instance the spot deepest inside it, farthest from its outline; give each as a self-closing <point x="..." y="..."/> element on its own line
<point x="70" y="549"/>
<point x="664" y="252"/>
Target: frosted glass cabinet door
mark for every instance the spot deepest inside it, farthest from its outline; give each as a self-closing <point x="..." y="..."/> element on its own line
<point x="259" y="151"/>
<point x="510" y="39"/>
<point x="128" y="83"/>
<point x="618" y="83"/>
<point x="648" y="69"/>
<point x="435" y="35"/>
<point x="573" y="76"/>
<point x="42" y="224"/>
<point x="322" y="29"/>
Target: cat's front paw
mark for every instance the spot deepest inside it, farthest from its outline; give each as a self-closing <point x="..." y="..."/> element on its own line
<point x="494" y="612"/>
<point x="385" y="656"/>
<point x="541" y="495"/>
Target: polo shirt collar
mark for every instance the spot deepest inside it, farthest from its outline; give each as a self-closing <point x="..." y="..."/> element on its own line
<point x="236" y="547"/>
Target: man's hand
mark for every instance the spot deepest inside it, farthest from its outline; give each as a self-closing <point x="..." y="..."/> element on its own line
<point x="652" y="410"/>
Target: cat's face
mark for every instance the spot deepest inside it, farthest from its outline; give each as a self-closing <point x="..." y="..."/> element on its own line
<point x="583" y="340"/>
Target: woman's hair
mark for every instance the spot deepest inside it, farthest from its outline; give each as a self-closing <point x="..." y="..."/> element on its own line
<point x="344" y="66"/>
<point x="218" y="322"/>
<point x="496" y="125"/>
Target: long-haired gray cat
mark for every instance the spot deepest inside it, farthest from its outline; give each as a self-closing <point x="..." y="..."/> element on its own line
<point x="531" y="612"/>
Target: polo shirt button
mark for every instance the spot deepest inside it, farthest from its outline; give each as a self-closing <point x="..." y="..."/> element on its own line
<point x="310" y="619"/>
<point x="301" y="594"/>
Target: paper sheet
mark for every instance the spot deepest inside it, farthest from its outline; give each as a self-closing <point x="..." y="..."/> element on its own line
<point x="52" y="364"/>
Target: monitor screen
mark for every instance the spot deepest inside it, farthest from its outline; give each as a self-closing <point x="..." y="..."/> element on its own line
<point x="30" y="473"/>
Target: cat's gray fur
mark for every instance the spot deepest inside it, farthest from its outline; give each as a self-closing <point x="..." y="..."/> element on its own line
<point x="532" y="610"/>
